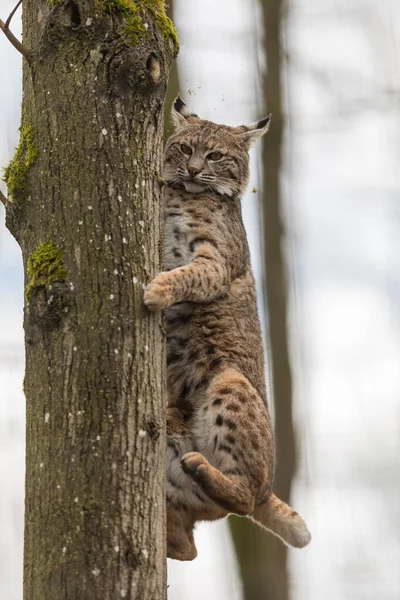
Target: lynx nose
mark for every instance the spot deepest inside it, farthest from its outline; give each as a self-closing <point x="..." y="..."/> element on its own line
<point x="193" y="171"/>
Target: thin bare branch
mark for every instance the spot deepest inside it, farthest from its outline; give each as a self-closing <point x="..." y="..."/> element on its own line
<point x="12" y="13"/>
<point x="11" y="37"/>
<point x="4" y="200"/>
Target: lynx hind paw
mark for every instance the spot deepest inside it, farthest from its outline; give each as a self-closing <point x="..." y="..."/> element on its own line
<point x="185" y="551"/>
<point x="195" y="465"/>
<point x="180" y="542"/>
<point x="157" y="295"/>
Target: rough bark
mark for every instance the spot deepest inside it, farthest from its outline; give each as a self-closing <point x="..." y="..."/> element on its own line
<point x="263" y="558"/>
<point x="173" y="83"/>
<point x="86" y="213"/>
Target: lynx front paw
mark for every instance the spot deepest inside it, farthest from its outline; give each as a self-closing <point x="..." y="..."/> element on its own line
<point x="158" y="295"/>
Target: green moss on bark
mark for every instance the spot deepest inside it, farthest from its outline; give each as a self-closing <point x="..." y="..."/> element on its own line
<point x="45" y="265"/>
<point x="164" y="23"/>
<point x="16" y="173"/>
<point x="133" y="12"/>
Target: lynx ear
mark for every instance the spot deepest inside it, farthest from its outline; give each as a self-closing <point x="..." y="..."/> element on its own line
<point x="253" y="131"/>
<point x="181" y="114"/>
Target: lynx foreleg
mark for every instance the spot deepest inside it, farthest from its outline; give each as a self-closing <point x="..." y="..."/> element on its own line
<point x="199" y="281"/>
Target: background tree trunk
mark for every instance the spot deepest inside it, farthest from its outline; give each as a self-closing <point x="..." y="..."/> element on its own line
<point x="86" y="212"/>
<point x="263" y="559"/>
<point x="274" y="239"/>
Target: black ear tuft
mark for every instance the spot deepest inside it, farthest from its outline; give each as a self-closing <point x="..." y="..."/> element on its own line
<point x="261" y="124"/>
<point x="252" y="132"/>
<point x="181" y="114"/>
<point x="179" y="104"/>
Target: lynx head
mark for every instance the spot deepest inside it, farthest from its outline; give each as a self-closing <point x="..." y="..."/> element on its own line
<point x="202" y="155"/>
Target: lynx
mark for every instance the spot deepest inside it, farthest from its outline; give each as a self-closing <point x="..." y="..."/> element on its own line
<point x="220" y="452"/>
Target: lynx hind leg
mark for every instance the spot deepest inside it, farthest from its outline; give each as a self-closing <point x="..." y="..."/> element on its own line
<point x="229" y="492"/>
<point x="233" y="434"/>
<point x="184" y="497"/>
<point x="180" y="541"/>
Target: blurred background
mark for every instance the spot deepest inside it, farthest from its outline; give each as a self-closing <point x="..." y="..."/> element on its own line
<point x="322" y="213"/>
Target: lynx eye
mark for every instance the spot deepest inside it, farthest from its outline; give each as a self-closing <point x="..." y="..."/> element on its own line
<point x="215" y="156"/>
<point x="186" y="149"/>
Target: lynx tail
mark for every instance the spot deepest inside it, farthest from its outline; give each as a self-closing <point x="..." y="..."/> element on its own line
<point x="282" y="521"/>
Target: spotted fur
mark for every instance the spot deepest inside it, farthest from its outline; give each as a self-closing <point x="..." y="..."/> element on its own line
<point x="220" y="453"/>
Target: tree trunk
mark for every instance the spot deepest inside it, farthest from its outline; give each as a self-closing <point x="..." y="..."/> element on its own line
<point x="85" y="184"/>
<point x="263" y="558"/>
<point x="173" y="83"/>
